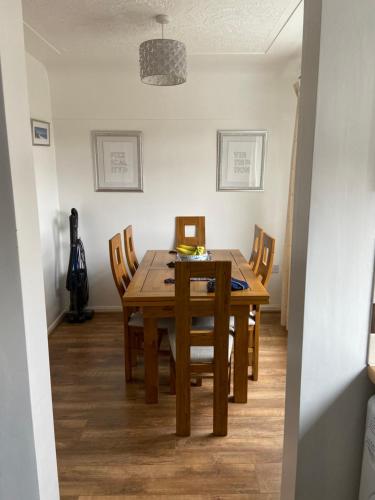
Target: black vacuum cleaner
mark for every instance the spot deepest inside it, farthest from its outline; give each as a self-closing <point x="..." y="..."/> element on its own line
<point x="76" y="281"/>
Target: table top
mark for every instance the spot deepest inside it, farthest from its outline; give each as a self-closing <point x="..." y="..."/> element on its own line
<point x="147" y="288"/>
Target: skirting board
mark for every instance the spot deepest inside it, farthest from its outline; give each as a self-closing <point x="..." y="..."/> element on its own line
<point x="55" y="323"/>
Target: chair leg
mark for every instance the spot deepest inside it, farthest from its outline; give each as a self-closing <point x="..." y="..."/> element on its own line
<point x="229" y="374"/>
<point x="221" y="389"/>
<point x="256" y="346"/>
<point x="127" y="348"/>
<point x="172" y="371"/>
<point x="183" y="395"/>
<point x="134" y="350"/>
<point x="255" y="371"/>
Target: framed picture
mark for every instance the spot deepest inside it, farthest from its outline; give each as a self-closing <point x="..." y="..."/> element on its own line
<point x="117" y="160"/>
<point x="240" y="160"/>
<point x="40" y="132"/>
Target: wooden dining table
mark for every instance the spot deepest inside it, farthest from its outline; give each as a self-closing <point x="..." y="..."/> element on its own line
<point x="156" y="299"/>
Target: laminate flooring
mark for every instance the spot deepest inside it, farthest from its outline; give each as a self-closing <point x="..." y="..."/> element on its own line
<point x="112" y="446"/>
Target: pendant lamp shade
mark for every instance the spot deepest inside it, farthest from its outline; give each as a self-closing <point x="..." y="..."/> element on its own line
<point x="162" y="61"/>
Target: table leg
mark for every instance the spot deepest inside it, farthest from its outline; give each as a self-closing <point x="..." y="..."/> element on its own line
<point x="151" y="359"/>
<point x="240" y="355"/>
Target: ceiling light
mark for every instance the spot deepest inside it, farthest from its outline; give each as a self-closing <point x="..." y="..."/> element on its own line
<point x="162" y="61"/>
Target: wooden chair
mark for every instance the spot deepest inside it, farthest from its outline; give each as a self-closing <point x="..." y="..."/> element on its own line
<point x="257" y="248"/>
<point x="197" y="351"/>
<point x="133" y="335"/>
<point x="200" y="232"/>
<point x="264" y="270"/>
<point x="263" y="274"/>
<point x="131" y="257"/>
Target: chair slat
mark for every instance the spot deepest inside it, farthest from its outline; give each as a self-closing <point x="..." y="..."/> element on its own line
<point x="201" y="368"/>
<point x="183" y="320"/>
<point x="116" y="257"/>
<point x="256" y="251"/>
<point x="222" y="305"/>
<point x="201" y="338"/>
<point x="200" y="232"/>
<point x="210" y="269"/>
<point x="218" y="338"/>
<point x="131" y="257"/>
<point x="266" y="261"/>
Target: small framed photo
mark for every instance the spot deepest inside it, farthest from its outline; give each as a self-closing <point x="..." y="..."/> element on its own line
<point x="117" y="160"/>
<point x="240" y="160"/>
<point x="40" y="132"/>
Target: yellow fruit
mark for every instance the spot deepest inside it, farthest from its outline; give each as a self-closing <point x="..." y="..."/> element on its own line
<point x="187" y="247"/>
<point x="190" y="250"/>
<point x="184" y="251"/>
<point x="200" y="250"/>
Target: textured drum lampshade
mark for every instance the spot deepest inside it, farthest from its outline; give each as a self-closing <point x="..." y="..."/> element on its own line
<point x="162" y="61"/>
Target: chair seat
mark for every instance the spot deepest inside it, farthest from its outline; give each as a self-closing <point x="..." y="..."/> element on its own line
<point x="251" y="322"/>
<point x="208" y="322"/>
<point x="199" y="354"/>
<point x="136" y="321"/>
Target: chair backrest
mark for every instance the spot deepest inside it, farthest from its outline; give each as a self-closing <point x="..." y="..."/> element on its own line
<point x="116" y="257"/>
<point x="266" y="261"/>
<point x="218" y="307"/>
<point x="131" y="257"/>
<point x="257" y="248"/>
<point x="199" y="239"/>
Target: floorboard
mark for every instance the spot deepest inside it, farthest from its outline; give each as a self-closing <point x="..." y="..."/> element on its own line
<point x="112" y="446"/>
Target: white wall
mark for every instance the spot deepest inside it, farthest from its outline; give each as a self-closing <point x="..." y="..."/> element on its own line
<point x="27" y="450"/>
<point x="333" y="254"/>
<point x="179" y="126"/>
<point x="47" y="190"/>
<point x="15" y="410"/>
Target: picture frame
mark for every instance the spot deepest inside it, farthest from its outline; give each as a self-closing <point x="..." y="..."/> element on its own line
<point x="241" y="160"/>
<point x="40" y="132"/>
<point x="117" y="160"/>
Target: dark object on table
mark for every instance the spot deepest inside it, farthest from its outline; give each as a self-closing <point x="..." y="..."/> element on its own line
<point x="171" y="281"/>
<point x="76" y="280"/>
<point x="236" y="285"/>
<point x="174" y="252"/>
<point x="172" y="264"/>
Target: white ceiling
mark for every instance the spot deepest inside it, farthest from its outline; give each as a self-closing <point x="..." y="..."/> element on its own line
<point x="75" y="30"/>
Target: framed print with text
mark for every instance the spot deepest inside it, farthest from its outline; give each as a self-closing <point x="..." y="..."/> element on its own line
<point x="240" y="160"/>
<point x="117" y="160"/>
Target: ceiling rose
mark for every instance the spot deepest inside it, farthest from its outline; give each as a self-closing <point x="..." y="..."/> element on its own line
<point x="162" y="61"/>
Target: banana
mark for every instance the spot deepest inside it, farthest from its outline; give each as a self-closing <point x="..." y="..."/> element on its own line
<point x="184" y="251"/>
<point x="200" y="250"/>
<point x="187" y="247"/>
<point x="189" y="250"/>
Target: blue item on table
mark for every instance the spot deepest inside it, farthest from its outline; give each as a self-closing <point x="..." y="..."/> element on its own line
<point x="235" y="284"/>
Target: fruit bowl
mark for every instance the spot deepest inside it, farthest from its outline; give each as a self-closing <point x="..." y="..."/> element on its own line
<point x="192" y="258"/>
<point x="188" y="253"/>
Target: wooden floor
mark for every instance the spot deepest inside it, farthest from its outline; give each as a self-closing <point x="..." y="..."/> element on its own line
<point x="112" y="446"/>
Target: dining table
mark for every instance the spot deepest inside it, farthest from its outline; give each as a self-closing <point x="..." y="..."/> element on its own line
<point x="155" y="298"/>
